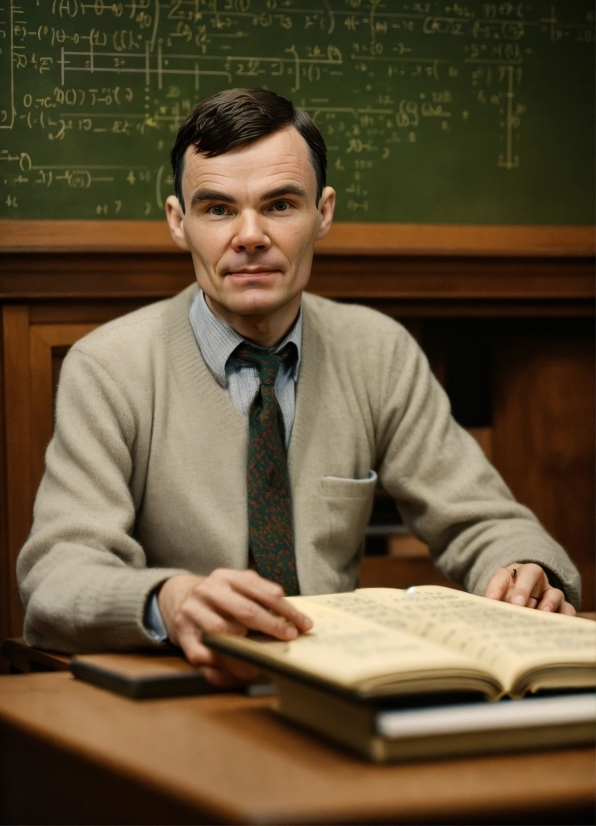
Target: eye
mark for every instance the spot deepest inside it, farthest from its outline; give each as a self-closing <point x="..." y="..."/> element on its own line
<point x="281" y="206"/>
<point x="218" y="210"/>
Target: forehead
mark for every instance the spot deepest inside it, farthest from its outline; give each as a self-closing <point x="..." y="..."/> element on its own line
<point x="280" y="158"/>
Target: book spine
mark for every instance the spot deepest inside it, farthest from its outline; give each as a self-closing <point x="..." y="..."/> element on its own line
<point x="345" y="722"/>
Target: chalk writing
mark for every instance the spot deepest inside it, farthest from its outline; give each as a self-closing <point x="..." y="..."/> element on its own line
<point x="412" y="98"/>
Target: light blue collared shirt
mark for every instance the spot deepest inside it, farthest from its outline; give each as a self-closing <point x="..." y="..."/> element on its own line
<point x="217" y="342"/>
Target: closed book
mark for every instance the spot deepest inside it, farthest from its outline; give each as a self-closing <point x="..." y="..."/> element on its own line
<point x="141" y="676"/>
<point x="449" y="726"/>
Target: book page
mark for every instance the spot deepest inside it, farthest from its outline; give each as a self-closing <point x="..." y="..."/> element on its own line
<point x="506" y="639"/>
<point x="356" y="653"/>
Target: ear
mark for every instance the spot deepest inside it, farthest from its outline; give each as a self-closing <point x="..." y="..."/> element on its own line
<point x="175" y="217"/>
<point x="326" y="208"/>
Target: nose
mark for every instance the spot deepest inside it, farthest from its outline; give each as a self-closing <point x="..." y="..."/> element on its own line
<point x="250" y="234"/>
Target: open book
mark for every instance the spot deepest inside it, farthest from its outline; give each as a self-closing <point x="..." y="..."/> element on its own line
<point x="402" y="675"/>
<point x="379" y="642"/>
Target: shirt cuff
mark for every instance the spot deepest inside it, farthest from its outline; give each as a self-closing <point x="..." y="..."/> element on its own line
<point x="153" y="620"/>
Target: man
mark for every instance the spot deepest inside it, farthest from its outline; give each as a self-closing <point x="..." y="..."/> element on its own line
<point x="215" y="449"/>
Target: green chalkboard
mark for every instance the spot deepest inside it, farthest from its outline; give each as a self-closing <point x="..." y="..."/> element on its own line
<point x="433" y="112"/>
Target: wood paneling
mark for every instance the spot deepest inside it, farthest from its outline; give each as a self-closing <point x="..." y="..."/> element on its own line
<point x="343" y="239"/>
<point x="19" y="491"/>
<point x="446" y="240"/>
<point x="444" y="281"/>
<point x="400" y="572"/>
<point x="48" y="346"/>
<point x="5" y="573"/>
<point x="33" y="355"/>
<point x="459" y="280"/>
<point x="91" y="311"/>
<point x="543" y="431"/>
<point x="98" y="277"/>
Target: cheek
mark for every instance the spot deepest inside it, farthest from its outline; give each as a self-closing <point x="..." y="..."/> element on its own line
<point x="296" y="241"/>
<point x="207" y="244"/>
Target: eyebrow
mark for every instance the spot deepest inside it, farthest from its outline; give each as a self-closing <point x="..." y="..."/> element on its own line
<point x="211" y="195"/>
<point x="285" y="189"/>
<point x="202" y="195"/>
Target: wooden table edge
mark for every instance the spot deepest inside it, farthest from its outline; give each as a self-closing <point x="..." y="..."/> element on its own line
<point x="221" y="811"/>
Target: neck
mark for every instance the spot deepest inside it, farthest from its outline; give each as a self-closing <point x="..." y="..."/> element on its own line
<point x="266" y="330"/>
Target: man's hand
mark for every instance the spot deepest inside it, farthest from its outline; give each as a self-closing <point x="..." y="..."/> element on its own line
<point x="527" y="584"/>
<point x="225" y="602"/>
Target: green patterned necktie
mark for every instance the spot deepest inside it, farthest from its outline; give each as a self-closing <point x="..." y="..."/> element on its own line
<point x="270" y="529"/>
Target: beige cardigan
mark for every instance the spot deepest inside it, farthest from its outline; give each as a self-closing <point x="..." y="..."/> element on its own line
<point x="146" y="473"/>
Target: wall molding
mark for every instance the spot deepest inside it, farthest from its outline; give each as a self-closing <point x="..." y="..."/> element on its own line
<point x="343" y="239"/>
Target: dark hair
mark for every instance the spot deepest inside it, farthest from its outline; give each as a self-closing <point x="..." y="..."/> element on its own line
<point x="238" y="117"/>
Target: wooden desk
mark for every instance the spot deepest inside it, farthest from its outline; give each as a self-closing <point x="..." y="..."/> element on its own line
<point x="23" y="659"/>
<point x="72" y="753"/>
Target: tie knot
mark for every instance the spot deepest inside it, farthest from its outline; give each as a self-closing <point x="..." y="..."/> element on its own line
<point x="266" y="363"/>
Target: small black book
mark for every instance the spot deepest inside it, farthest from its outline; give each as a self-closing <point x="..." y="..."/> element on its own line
<point x="142" y="676"/>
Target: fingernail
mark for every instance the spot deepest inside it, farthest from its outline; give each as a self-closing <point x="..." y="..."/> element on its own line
<point x="493" y="595"/>
<point x="546" y="608"/>
<point x="308" y="623"/>
<point x="290" y="632"/>
<point x="519" y="600"/>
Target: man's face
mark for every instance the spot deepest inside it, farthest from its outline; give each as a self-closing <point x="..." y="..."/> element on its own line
<point x="251" y="222"/>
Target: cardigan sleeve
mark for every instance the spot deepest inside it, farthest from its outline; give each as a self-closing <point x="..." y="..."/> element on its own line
<point x="447" y="492"/>
<point x="83" y="576"/>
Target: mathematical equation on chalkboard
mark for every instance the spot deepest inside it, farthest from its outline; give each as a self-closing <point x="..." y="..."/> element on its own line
<point x="419" y="102"/>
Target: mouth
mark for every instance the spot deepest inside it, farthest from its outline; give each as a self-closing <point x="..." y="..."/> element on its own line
<point x="253" y="272"/>
<point x="253" y="268"/>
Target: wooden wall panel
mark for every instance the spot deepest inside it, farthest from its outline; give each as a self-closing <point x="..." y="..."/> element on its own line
<point x="400" y="572"/>
<point x="32" y="359"/>
<point x="4" y="563"/>
<point x="48" y="346"/>
<point x="134" y="237"/>
<point x="19" y="492"/>
<point x="543" y="431"/>
<point x="463" y="282"/>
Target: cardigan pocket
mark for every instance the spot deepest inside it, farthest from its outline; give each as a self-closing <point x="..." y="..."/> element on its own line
<point x="348" y="505"/>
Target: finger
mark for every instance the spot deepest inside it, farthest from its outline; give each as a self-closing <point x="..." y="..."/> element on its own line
<point x="267" y="593"/>
<point x="171" y="596"/>
<point x="498" y="584"/>
<point x="250" y="613"/>
<point x="302" y="621"/>
<point x="531" y="582"/>
<point x="568" y="609"/>
<point x="195" y="652"/>
<point x="552" y="600"/>
<point x="205" y="616"/>
<point x="271" y="595"/>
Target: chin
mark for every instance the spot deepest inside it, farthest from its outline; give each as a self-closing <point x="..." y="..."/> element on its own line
<point x="256" y="302"/>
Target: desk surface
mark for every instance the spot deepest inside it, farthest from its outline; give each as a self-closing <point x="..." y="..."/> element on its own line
<point x="228" y="758"/>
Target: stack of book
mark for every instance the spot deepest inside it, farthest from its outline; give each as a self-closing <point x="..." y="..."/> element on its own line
<point x="431" y="672"/>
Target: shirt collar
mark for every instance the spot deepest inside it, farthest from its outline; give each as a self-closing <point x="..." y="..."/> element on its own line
<point x="217" y="341"/>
